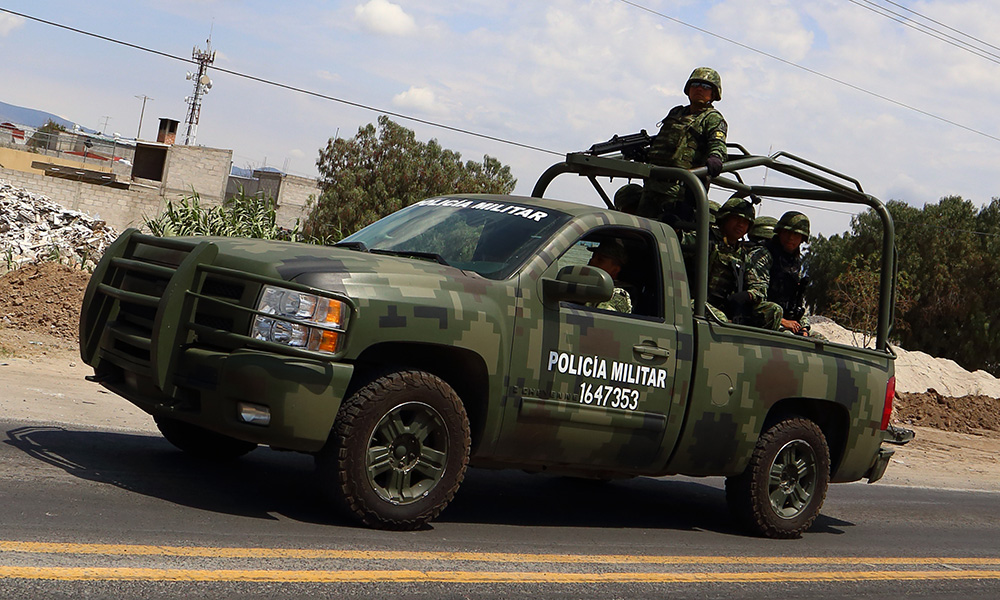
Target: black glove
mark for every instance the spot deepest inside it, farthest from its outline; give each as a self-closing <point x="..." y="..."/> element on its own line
<point x="738" y="299"/>
<point x="714" y="165"/>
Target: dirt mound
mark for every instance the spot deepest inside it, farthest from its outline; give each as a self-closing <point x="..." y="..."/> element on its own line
<point x="43" y="297"/>
<point x="968" y="414"/>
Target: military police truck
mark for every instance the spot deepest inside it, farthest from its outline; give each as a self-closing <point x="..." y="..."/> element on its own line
<point x="467" y="330"/>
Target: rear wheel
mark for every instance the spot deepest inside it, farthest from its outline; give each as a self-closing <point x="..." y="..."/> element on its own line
<point x="398" y="451"/>
<point x="782" y="490"/>
<point x="201" y="442"/>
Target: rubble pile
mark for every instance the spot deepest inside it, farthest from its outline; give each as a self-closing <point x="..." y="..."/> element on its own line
<point x="34" y="228"/>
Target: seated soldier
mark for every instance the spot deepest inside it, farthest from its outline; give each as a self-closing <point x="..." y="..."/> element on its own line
<point x="610" y="256"/>
<point x="780" y="261"/>
<point x="732" y="282"/>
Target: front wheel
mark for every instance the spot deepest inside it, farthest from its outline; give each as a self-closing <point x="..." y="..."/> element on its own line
<point x="398" y="451"/>
<point x="782" y="490"/>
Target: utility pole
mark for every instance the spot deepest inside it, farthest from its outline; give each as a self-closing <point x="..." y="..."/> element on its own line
<point x="105" y="126"/>
<point x="201" y="86"/>
<point x="143" y="97"/>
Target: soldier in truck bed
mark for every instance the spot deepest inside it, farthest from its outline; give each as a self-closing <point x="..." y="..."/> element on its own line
<point x="732" y="296"/>
<point x="690" y="136"/>
<point x="779" y="260"/>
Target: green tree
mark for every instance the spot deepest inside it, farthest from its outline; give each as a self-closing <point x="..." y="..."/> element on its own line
<point x="948" y="255"/>
<point x="383" y="169"/>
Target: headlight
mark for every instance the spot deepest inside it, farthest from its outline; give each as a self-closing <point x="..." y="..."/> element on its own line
<point x="300" y="320"/>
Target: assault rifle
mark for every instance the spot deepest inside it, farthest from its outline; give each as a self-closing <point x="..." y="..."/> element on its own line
<point x="634" y="146"/>
<point x="798" y="304"/>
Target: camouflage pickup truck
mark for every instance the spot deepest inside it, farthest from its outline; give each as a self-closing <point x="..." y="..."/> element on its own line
<point x="465" y="329"/>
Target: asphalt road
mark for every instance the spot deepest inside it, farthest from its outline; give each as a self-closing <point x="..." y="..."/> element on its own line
<point x="98" y="513"/>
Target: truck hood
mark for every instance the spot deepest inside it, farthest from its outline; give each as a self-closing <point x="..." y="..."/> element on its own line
<point x="339" y="269"/>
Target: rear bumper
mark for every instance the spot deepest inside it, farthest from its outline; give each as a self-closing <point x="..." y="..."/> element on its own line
<point x="881" y="462"/>
<point x="892" y="435"/>
<point x="302" y="396"/>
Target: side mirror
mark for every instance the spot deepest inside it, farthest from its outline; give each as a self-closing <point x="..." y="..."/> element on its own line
<point x="578" y="283"/>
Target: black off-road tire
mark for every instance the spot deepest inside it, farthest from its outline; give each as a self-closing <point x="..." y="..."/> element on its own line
<point x="200" y="442"/>
<point x="783" y="488"/>
<point x="398" y="451"/>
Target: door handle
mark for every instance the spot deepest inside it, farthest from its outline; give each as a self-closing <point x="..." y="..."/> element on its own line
<point x="651" y="350"/>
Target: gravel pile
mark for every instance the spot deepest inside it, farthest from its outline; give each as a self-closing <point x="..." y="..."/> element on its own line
<point x="34" y="228"/>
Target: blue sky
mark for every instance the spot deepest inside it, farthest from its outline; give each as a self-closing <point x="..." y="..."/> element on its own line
<point x="555" y="74"/>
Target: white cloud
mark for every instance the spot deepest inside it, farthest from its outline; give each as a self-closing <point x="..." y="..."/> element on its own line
<point x="9" y="23"/>
<point x="328" y="76"/>
<point x="384" y="17"/>
<point x="773" y="25"/>
<point x="418" y="98"/>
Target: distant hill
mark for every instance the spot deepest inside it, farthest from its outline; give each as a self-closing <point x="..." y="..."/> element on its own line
<point x="29" y="116"/>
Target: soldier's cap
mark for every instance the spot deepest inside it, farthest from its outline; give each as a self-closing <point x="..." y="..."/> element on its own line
<point x="613" y="249"/>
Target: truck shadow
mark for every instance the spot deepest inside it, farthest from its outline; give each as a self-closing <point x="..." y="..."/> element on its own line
<point x="265" y="483"/>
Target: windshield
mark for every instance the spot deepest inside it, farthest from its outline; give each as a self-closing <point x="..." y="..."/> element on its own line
<point x="490" y="238"/>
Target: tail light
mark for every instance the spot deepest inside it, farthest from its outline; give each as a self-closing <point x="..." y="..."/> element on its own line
<point x="890" y="393"/>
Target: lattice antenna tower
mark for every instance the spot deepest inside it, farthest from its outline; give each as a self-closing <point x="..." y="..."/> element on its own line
<point x="202" y="84"/>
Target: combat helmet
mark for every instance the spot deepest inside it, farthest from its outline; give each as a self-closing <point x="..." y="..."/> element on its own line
<point x="706" y="75"/>
<point x="763" y="229"/>
<point x="736" y="206"/>
<point x="795" y="222"/>
<point x="713" y="211"/>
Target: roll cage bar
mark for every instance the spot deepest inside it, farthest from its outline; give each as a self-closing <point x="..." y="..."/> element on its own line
<point x="830" y="186"/>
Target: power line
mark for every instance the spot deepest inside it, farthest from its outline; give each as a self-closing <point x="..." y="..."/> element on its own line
<point x="286" y="86"/>
<point x="926" y="30"/>
<point x="811" y="71"/>
<point x="922" y="16"/>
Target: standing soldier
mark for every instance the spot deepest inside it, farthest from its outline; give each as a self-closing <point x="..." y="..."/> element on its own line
<point x="690" y="136"/>
<point x="781" y="259"/>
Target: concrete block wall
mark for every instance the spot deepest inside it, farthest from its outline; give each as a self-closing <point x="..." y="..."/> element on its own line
<point x="293" y="198"/>
<point x="205" y="170"/>
<point x="118" y="208"/>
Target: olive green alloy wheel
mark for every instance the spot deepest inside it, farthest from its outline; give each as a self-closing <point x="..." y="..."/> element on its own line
<point x="398" y="451"/>
<point x="782" y="490"/>
<point x="793" y="479"/>
<point x="407" y="452"/>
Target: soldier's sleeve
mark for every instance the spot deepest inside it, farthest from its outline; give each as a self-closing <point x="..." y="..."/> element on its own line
<point x="716" y="130"/>
<point x="758" y="274"/>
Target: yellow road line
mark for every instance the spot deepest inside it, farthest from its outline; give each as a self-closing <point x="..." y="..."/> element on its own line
<point x="503" y="557"/>
<point x="403" y="576"/>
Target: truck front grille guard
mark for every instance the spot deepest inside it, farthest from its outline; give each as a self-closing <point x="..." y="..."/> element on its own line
<point x="150" y="296"/>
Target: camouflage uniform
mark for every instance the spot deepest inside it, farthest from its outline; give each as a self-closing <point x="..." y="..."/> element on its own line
<point x="620" y="301"/>
<point x="729" y="271"/>
<point x="685" y="140"/>
<point x="784" y="271"/>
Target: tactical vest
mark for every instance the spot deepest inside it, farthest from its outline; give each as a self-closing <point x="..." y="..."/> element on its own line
<point x="785" y="277"/>
<point x="682" y="140"/>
